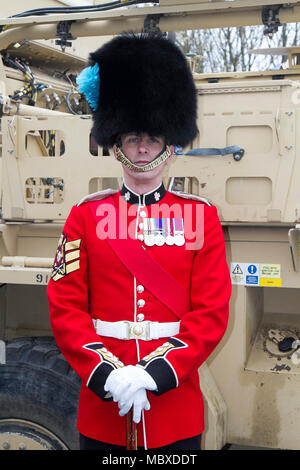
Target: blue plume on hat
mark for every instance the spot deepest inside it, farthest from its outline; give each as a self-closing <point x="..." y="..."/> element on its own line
<point x="88" y="82"/>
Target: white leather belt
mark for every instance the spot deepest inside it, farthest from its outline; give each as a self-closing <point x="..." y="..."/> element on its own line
<point x="145" y="330"/>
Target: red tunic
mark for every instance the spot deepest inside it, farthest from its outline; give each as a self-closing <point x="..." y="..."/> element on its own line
<point x="89" y="281"/>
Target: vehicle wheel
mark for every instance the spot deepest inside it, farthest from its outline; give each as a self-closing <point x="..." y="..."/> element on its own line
<point x="38" y="397"/>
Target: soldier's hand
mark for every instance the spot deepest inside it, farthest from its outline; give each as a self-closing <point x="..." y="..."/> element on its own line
<point x="122" y="383"/>
<point x="139" y="401"/>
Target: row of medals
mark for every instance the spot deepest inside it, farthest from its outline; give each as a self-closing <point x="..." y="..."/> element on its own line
<point x="163" y="231"/>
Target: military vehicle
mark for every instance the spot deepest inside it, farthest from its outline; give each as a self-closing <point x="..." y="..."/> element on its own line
<point x="49" y="161"/>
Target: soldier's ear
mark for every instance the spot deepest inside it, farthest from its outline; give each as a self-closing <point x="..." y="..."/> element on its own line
<point x="172" y="148"/>
<point x="114" y="150"/>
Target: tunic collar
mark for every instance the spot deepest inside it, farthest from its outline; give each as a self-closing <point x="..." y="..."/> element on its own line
<point x="153" y="197"/>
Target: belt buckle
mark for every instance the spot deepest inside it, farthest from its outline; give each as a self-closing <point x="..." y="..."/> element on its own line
<point x="128" y="323"/>
<point x="137" y="330"/>
<point x="147" y="330"/>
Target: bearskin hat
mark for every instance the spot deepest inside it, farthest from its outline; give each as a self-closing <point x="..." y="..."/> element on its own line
<point x="146" y="85"/>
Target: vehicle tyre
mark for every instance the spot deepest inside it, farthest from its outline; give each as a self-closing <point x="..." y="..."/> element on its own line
<point x="38" y="397"/>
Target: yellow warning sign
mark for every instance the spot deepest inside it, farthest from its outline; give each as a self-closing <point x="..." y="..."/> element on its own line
<point x="270" y="275"/>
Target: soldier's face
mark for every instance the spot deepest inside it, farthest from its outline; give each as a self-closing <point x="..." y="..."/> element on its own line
<point x="141" y="149"/>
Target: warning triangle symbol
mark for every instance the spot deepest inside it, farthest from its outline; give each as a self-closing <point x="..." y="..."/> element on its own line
<point x="237" y="270"/>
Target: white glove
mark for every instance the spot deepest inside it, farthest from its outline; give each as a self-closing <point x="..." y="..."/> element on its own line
<point x="139" y="401"/>
<point x="122" y="383"/>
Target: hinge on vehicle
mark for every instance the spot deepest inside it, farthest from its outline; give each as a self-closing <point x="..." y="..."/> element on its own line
<point x="270" y="19"/>
<point x="63" y="32"/>
<point x="294" y="240"/>
<point x="151" y="24"/>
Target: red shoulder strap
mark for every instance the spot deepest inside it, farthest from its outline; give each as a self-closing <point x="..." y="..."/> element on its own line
<point x="146" y="269"/>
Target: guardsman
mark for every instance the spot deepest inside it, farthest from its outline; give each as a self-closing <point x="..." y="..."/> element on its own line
<point x="140" y="287"/>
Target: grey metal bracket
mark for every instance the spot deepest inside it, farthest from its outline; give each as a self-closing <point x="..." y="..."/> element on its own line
<point x="294" y="241"/>
<point x="151" y="24"/>
<point x="2" y="352"/>
<point x="63" y="32"/>
<point x="270" y="19"/>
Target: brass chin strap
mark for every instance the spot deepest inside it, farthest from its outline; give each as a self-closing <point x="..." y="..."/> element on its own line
<point x="162" y="157"/>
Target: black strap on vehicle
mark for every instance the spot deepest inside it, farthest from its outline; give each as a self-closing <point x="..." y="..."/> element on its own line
<point x="237" y="152"/>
